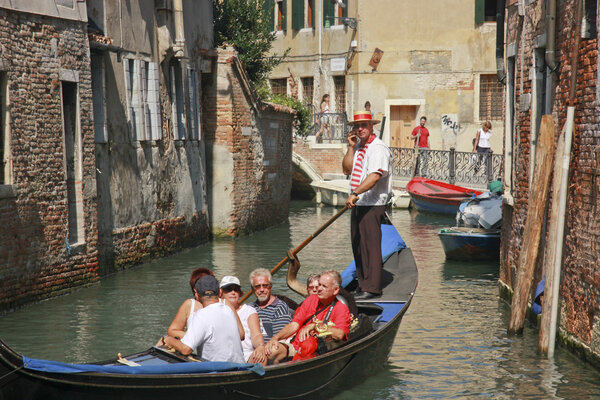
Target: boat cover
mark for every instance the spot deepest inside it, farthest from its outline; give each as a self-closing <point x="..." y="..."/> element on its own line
<point x="391" y="242"/>
<point x="176" y="368"/>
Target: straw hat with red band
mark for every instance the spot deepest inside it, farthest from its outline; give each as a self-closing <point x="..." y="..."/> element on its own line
<point x="363" y="116"/>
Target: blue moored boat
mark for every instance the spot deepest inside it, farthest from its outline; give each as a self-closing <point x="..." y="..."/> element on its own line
<point x="466" y="243"/>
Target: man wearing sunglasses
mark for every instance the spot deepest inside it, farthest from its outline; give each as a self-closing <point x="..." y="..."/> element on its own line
<point x="273" y="312"/>
<point x="368" y="162"/>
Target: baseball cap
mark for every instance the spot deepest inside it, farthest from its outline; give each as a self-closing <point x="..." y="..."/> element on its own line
<point x="229" y="280"/>
<point x="207" y="286"/>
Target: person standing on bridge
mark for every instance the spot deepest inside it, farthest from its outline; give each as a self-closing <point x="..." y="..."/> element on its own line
<point x="368" y="161"/>
<point x="421" y="136"/>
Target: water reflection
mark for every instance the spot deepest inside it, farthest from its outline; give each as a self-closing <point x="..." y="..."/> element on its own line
<point x="452" y="342"/>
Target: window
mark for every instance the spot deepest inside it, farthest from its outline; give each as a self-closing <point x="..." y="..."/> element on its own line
<point x="307" y="90"/>
<point x="73" y="161"/>
<point x="99" y="98"/>
<point x="141" y="81"/>
<point x="279" y="86"/>
<point x="490" y="98"/>
<point x="280" y="12"/>
<point x="5" y="154"/>
<point x="333" y="12"/>
<point x="485" y="11"/>
<point x="177" y="100"/>
<point x="302" y="14"/>
<point x="194" y="105"/>
<point x="340" y="93"/>
<point x="588" y="23"/>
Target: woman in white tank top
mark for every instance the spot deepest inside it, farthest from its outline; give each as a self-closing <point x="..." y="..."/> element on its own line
<point x="481" y="144"/>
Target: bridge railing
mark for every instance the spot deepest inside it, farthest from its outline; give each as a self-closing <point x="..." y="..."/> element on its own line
<point x="455" y="167"/>
<point x="338" y="127"/>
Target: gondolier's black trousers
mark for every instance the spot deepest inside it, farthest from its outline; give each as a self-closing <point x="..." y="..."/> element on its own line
<point x="365" y="229"/>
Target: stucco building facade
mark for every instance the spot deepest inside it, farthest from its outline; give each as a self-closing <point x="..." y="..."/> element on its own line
<point x="407" y="59"/>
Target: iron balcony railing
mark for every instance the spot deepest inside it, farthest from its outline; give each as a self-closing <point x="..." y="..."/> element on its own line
<point x="337" y="124"/>
<point x="455" y="167"/>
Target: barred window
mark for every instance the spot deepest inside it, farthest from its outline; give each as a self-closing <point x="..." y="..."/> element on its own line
<point x="307" y="90"/>
<point x="490" y="98"/>
<point x="340" y="93"/>
<point x="279" y="86"/>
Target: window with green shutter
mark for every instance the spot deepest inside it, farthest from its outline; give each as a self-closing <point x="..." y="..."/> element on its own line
<point x="269" y="7"/>
<point x="297" y="14"/>
<point x="328" y="13"/>
<point x="281" y="15"/>
<point x="479" y="11"/>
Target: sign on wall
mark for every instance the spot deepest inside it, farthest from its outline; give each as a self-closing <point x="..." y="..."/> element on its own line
<point x="338" y="64"/>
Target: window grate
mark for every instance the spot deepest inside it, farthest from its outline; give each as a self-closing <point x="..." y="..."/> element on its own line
<point x="340" y="93"/>
<point x="490" y="98"/>
<point x="279" y="86"/>
<point x="307" y="90"/>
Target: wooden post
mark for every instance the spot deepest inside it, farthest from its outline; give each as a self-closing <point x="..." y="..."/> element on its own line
<point x="550" y="250"/>
<point x="538" y="196"/>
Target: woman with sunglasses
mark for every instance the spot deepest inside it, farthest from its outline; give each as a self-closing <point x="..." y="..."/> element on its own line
<point x="253" y="344"/>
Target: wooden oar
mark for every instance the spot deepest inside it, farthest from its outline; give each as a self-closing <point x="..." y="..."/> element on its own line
<point x="300" y="247"/>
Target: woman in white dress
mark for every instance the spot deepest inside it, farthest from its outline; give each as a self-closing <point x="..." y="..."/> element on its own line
<point x="324" y="119"/>
<point x="253" y="344"/>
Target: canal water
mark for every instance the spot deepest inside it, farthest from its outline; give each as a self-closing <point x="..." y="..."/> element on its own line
<point x="452" y="342"/>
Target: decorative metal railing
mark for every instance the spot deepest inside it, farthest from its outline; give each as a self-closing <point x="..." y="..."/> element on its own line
<point x="335" y="127"/>
<point x="455" y="167"/>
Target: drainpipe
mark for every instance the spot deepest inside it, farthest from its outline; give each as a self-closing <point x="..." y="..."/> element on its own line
<point x="320" y="22"/>
<point x="500" y="72"/>
<point x="562" y="204"/>
<point x="179" y="46"/>
<point x="551" y="35"/>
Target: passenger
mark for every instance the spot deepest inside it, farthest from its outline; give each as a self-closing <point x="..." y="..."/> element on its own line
<point x="344" y="296"/>
<point x="274" y="313"/>
<point x="214" y="331"/>
<point x="310" y="318"/>
<point x="312" y="284"/>
<point x="183" y="318"/>
<point x="253" y="344"/>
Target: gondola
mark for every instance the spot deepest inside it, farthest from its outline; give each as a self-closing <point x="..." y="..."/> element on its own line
<point x="163" y="375"/>
<point x="439" y="197"/>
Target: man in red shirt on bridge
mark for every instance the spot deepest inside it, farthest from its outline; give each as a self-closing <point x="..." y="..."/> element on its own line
<point x="421" y="133"/>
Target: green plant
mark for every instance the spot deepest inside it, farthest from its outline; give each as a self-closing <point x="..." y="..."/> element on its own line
<point x="247" y="25"/>
<point x="302" y="117"/>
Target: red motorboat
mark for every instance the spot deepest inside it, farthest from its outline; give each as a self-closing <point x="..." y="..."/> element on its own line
<point x="435" y="196"/>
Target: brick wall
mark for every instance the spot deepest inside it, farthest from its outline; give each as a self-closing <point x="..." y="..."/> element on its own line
<point x="580" y="287"/>
<point x="34" y="259"/>
<point x="324" y="159"/>
<point x="258" y="138"/>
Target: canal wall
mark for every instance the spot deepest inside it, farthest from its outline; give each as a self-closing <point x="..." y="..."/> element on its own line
<point x="48" y="213"/>
<point x="248" y="150"/>
<point x="525" y="49"/>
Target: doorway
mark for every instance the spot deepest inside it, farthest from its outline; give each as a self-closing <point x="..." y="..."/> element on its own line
<point x="402" y="121"/>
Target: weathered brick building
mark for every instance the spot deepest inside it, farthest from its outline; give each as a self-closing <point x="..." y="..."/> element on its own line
<point x="103" y="139"/>
<point x="538" y="83"/>
<point x="48" y="215"/>
<point x="249" y="146"/>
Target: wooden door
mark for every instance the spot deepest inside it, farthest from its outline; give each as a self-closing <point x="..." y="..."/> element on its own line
<point x="402" y="121"/>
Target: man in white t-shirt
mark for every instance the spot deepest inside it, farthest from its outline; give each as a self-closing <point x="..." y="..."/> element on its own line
<point x="214" y="334"/>
<point x="368" y="161"/>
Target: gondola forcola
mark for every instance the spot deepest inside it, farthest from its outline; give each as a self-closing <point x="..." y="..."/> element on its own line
<point x="164" y="375"/>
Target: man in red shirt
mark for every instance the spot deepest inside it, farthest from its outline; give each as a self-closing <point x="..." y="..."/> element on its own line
<point x="423" y="132"/>
<point x="310" y="319"/>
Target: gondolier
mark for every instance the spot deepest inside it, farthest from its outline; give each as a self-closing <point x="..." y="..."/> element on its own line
<point x="368" y="161"/>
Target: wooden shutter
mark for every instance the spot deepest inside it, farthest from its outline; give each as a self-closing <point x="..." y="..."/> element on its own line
<point x="269" y="8"/>
<point x="284" y="15"/>
<point x="479" y="11"/>
<point x="328" y="13"/>
<point x="297" y="14"/>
